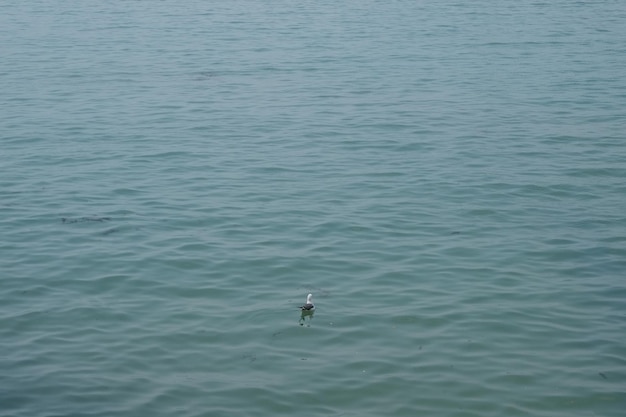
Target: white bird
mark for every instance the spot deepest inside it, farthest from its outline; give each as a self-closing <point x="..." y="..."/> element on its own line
<point x="309" y="304"/>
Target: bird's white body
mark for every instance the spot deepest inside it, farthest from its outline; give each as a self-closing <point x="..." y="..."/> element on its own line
<point x="309" y="306"/>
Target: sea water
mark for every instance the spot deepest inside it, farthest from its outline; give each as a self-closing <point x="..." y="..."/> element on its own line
<point x="447" y="178"/>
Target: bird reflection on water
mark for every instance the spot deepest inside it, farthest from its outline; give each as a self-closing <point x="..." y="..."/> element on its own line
<point x="304" y="315"/>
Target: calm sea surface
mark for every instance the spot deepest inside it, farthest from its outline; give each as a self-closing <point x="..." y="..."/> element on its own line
<point x="447" y="178"/>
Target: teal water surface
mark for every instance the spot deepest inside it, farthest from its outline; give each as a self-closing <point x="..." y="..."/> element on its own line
<point x="447" y="178"/>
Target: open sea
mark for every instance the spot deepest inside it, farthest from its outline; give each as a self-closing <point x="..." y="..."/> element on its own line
<point x="447" y="178"/>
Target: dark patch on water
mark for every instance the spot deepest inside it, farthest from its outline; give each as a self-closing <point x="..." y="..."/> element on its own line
<point x="602" y="375"/>
<point x="109" y="231"/>
<point x="249" y="358"/>
<point x="205" y="75"/>
<point x="85" y="219"/>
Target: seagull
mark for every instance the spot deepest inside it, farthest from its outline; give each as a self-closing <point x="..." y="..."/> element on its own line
<point x="309" y="304"/>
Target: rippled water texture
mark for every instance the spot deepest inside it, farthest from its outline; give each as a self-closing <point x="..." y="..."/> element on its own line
<point x="446" y="178"/>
